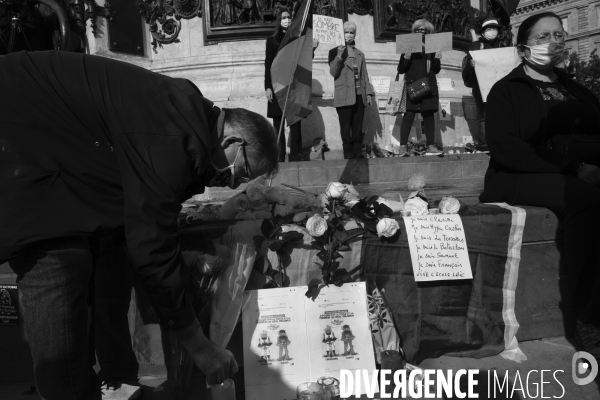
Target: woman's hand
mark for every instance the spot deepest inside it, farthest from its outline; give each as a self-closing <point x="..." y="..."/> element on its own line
<point x="269" y="95"/>
<point x="369" y="97"/>
<point x="589" y="173"/>
<point x="315" y="43"/>
<point x="438" y="55"/>
<point x="340" y="51"/>
<point x="472" y="63"/>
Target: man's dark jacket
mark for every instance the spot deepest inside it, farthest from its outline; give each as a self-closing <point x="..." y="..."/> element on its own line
<point x="517" y="132"/>
<point x="90" y="145"/>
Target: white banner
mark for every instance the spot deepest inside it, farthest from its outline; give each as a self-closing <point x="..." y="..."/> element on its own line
<point x="328" y="31"/>
<point x="492" y="65"/>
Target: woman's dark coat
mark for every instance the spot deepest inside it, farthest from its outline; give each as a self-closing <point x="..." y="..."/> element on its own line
<point x="416" y="69"/>
<point x="273" y="109"/>
<point x="517" y="132"/>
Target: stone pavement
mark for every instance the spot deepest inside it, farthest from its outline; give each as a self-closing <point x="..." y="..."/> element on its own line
<point x="554" y="355"/>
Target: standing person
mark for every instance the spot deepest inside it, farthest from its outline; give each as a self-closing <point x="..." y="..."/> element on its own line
<point x="415" y="67"/>
<point x="352" y="92"/>
<point x="111" y="148"/>
<point x="283" y="21"/>
<point x="489" y="39"/>
<point x="529" y="110"/>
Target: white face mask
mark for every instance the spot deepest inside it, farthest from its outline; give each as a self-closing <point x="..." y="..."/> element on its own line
<point x="490" y="34"/>
<point x="545" y="56"/>
<point x="286" y="22"/>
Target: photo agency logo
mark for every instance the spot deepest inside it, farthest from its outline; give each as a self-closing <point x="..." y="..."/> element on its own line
<point x="584" y="368"/>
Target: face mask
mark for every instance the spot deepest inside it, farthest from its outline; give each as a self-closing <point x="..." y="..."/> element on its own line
<point x="545" y="56"/>
<point x="212" y="178"/>
<point x="490" y="34"/>
<point x="285" y="23"/>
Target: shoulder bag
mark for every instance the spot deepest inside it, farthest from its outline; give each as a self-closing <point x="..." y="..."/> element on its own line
<point x="419" y="89"/>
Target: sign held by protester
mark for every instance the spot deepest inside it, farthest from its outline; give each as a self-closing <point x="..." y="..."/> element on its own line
<point x="328" y="30"/>
<point x="492" y="65"/>
<point x="438" y="42"/>
<point x="438" y="247"/>
<point x="409" y="43"/>
<point x="9" y="305"/>
<point x="381" y="85"/>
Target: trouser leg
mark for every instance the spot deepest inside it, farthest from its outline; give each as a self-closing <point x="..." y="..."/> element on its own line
<point x="53" y="277"/>
<point x="277" y="121"/>
<point x="429" y="127"/>
<point x="407" y="122"/>
<point x="480" y="137"/>
<point x="345" y="118"/>
<point x="295" y="141"/>
<point x="358" y="113"/>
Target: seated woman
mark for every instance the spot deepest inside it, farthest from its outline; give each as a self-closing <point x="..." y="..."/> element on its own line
<point x="352" y="91"/>
<point x="526" y="112"/>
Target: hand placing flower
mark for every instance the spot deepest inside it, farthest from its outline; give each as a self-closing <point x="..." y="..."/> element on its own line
<point x="387" y="227"/>
<point x="335" y="190"/>
<point x="241" y="203"/>
<point x="316" y="226"/>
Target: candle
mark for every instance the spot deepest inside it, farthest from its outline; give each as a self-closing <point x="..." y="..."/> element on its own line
<point x="224" y="391"/>
<point x="308" y="391"/>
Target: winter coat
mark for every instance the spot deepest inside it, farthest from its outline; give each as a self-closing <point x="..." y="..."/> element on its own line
<point x="344" y="90"/>
<point x="416" y="69"/>
<point x="273" y="109"/>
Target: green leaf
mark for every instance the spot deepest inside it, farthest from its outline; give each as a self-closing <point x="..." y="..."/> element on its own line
<point x="317" y="245"/>
<point x="292" y="235"/>
<point x="266" y="228"/>
<point x="344" y="247"/>
<point x="314" y="288"/>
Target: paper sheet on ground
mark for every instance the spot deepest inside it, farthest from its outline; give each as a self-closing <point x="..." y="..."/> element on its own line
<point x="492" y="65"/>
<point x="311" y="352"/>
<point x="412" y="42"/>
<point x="329" y="31"/>
<point x="438" y="42"/>
<point x="438" y="247"/>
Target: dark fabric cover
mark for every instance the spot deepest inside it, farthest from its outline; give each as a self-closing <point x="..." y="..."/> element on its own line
<point x="91" y="146"/>
<point x="416" y="69"/>
<point x="459" y="318"/>
<point x="273" y="109"/>
<point x="517" y="131"/>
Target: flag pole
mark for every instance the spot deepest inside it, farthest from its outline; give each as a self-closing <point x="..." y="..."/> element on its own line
<point x="287" y="95"/>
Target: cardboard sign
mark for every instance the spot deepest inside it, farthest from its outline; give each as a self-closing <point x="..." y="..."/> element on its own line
<point x="329" y="31"/>
<point x="492" y="65"/>
<point x="9" y="305"/>
<point x="394" y="104"/>
<point x="438" y="247"/>
<point x="438" y="42"/>
<point x="409" y="43"/>
<point x="319" y="337"/>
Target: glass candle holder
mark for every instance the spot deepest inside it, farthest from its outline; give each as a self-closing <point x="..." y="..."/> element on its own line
<point x="308" y="391"/>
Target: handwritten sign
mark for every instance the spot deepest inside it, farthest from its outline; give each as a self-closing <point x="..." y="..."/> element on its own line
<point x="328" y="30"/>
<point x="492" y="65"/>
<point x="438" y="42"/>
<point x="438" y="248"/>
<point x="381" y="85"/>
<point x="445" y="84"/>
<point x="409" y="43"/>
<point x="9" y="305"/>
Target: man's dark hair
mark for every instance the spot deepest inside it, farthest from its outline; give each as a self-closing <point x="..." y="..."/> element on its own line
<point x="529" y="23"/>
<point x="258" y="133"/>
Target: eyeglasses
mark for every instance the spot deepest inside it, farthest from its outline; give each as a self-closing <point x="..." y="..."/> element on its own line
<point x="231" y="168"/>
<point x="286" y="17"/>
<point x="420" y="30"/>
<point x="544" y="38"/>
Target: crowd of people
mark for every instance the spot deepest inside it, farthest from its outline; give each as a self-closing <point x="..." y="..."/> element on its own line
<point x="115" y="149"/>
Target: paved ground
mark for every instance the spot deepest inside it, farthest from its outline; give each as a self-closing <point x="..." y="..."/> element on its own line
<point x="553" y="355"/>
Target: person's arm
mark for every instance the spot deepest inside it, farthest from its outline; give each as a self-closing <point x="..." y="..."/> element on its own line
<point x="507" y="148"/>
<point x="404" y="63"/>
<point x="269" y="56"/>
<point x="369" y="86"/>
<point x="436" y="64"/>
<point x="336" y="63"/>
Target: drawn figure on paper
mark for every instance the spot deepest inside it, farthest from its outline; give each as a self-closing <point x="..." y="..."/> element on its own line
<point x="283" y="342"/>
<point x="347" y="338"/>
<point x="264" y="343"/>
<point x="329" y="339"/>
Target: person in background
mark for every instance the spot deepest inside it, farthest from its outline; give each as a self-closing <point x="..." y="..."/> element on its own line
<point x="352" y="91"/>
<point x="113" y="148"/>
<point x="489" y="39"/>
<point x="528" y="111"/>
<point x="282" y="22"/>
<point x="415" y="67"/>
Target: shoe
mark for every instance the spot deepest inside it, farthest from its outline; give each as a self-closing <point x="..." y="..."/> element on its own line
<point x="432" y="150"/>
<point x="403" y="151"/>
<point x="471" y="147"/>
<point x="120" y="391"/>
<point x="588" y="337"/>
<point x="482" y="148"/>
<point x="348" y="156"/>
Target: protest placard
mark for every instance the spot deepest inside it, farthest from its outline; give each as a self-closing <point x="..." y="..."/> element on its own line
<point x="328" y="30"/>
<point x="438" y="42"/>
<point x="445" y="84"/>
<point x="492" y="65"/>
<point x="438" y="247"/>
<point x="381" y="85"/>
<point x="445" y="113"/>
<point x="9" y="305"/>
<point x="409" y="43"/>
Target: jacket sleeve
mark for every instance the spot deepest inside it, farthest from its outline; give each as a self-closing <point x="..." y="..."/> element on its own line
<point x="510" y="150"/>
<point x="152" y="184"/>
<point x="436" y="65"/>
<point x="370" y="89"/>
<point x="336" y="64"/>
<point x="269" y="56"/>
<point x="403" y="66"/>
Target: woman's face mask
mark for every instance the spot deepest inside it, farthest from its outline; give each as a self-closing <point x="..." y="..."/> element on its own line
<point x="545" y="56"/>
<point x="490" y="34"/>
<point x="349" y="36"/>
<point x="286" y="20"/>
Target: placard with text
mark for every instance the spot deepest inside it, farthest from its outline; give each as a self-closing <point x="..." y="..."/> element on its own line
<point x="409" y="43"/>
<point x="9" y="305"/>
<point x="438" y="247"/>
<point x="290" y="339"/>
<point x="438" y="42"/>
<point x="328" y="31"/>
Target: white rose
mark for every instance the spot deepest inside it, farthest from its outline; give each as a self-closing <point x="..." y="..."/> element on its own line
<point x="416" y="206"/>
<point x="255" y="192"/>
<point x="387" y="227"/>
<point x="316" y="226"/>
<point x="449" y="205"/>
<point x="241" y="203"/>
<point x="335" y="190"/>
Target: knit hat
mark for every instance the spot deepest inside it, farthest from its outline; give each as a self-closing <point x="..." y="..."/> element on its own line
<point x="489" y="23"/>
